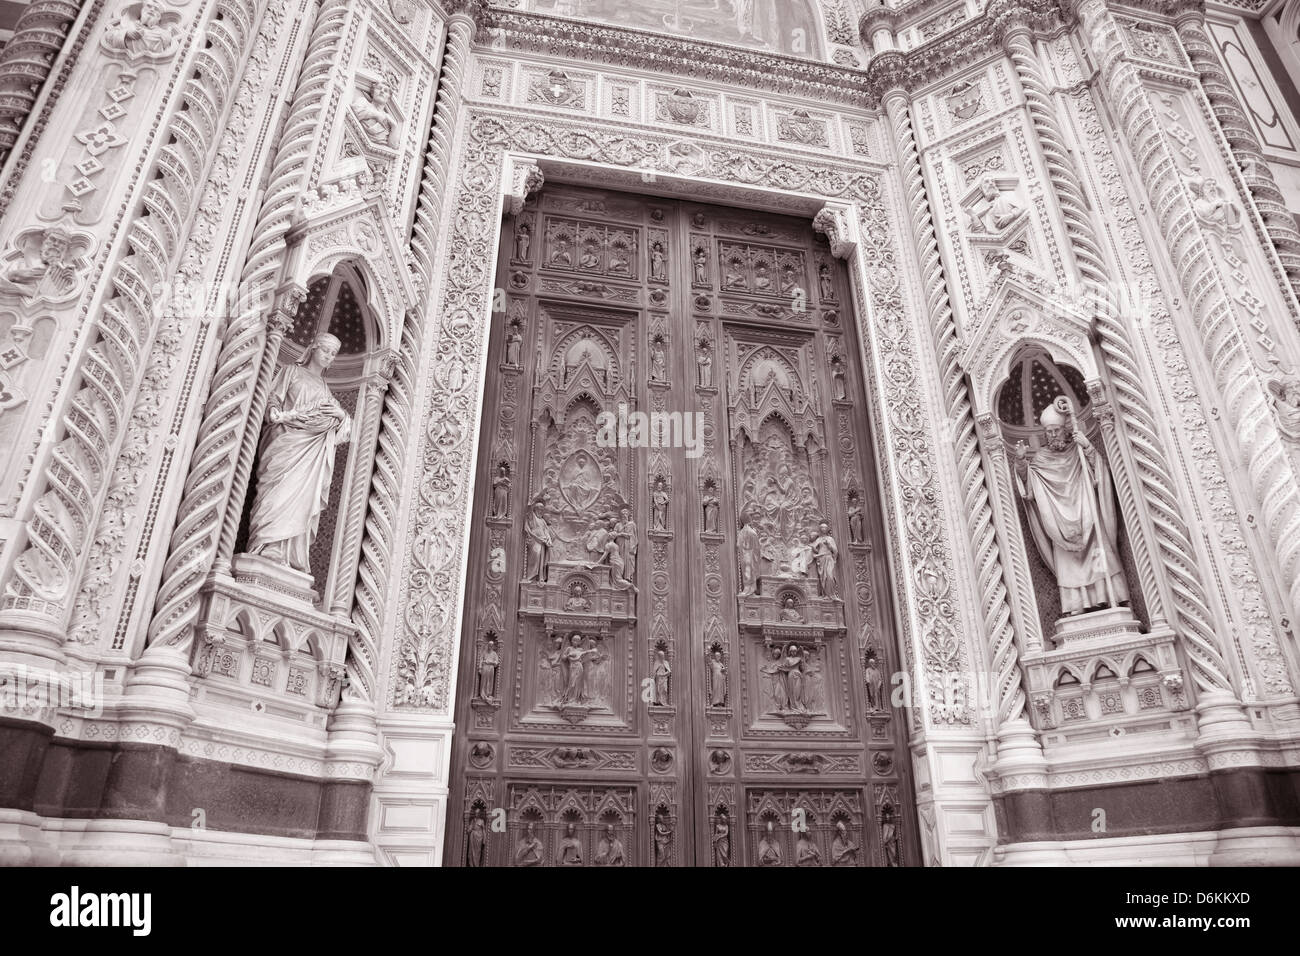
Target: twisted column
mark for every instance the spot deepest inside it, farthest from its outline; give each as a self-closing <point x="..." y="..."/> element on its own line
<point x="461" y="27"/>
<point x="1171" y="538"/>
<point x="207" y="519"/>
<point x="976" y="502"/>
<point x="1279" y="224"/>
<point x="26" y="60"/>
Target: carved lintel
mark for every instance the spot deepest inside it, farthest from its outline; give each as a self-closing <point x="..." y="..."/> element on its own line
<point x="526" y="177"/>
<point x="832" y="221"/>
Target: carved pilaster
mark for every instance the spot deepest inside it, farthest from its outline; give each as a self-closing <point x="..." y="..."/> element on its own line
<point x="1000" y="634"/>
<point x="201" y="520"/>
<point x="1258" y="177"/>
<point x="466" y="16"/>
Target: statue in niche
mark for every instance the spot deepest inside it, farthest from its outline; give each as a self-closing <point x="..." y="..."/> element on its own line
<point x="523" y="239"/>
<point x="762" y="278"/>
<point x="750" y="549"/>
<point x="659" y="500"/>
<point x="53" y="275"/>
<point x="769" y="847"/>
<point x="528" y="851"/>
<point x="1067" y="492"/>
<point x="889" y="835"/>
<point x="839" y="382"/>
<point x="304" y="424"/>
<point x="476" y="841"/>
<point x="994" y="210"/>
<point x="590" y="258"/>
<point x="373" y="113"/>
<point x="788" y="282"/>
<point x="805" y="850"/>
<point x="874" y="679"/>
<point x="721" y="840"/>
<point x="717" y="679"/>
<point x="514" y="345"/>
<point x="663" y="837"/>
<point x="700" y="266"/>
<point x="540" y="541"/>
<point x="488" y="666"/>
<point x="555" y="663"/>
<point x="626" y="534"/>
<point x="844" y="852"/>
<point x="857" y="530"/>
<point x="577" y="599"/>
<point x="710" y="504"/>
<point x="789" y="612"/>
<point x="735" y="275"/>
<point x="1286" y="403"/>
<point x="658" y="262"/>
<point x="658" y="360"/>
<point x="570" y="849"/>
<point x="501" y="492"/>
<point x="793" y="675"/>
<point x="825" y="282"/>
<point x="704" y="363"/>
<point x="609" y="852"/>
<point x="143" y="35"/>
<point x="662" y="674"/>
<point x="825" y="554"/>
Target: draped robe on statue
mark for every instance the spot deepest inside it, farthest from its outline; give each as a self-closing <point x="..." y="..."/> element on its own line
<point x="296" y="464"/>
<point x="1072" y="519"/>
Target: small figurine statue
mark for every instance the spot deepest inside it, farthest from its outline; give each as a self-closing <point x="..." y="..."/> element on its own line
<point x="610" y="850"/>
<point x="857" y="534"/>
<point x="710" y="503"/>
<point x="662" y="672"/>
<point x="488" y="666"/>
<point x="825" y="554"/>
<point x="844" y="852"/>
<point x="501" y="492"/>
<point x="789" y="612"/>
<point x="659" y="500"/>
<point x="700" y="265"/>
<point x="769" y="847"/>
<point x="528" y="851"/>
<point x="373" y="115"/>
<point x="523" y="239"/>
<point x="570" y="849"/>
<point x="658" y="262"/>
<point x="704" y="363"/>
<point x="658" y="361"/>
<point x="717" y="679"/>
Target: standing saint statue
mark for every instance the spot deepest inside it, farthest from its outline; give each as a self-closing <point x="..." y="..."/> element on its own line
<point x="476" y="841"/>
<point x="1071" y="509"/>
<point x="662" y="673"/>
<point x="304" y="424"/>
<point x="825" y="553"/>
<point x="721" y="840"/>
<point x="717" y="679"/>
<point x="540" y="542"/>
<point x="750" y="549"/>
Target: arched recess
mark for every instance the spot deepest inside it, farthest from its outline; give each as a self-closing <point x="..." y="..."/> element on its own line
<point x="1024" y="345"/>
<point x="340" y="302"/>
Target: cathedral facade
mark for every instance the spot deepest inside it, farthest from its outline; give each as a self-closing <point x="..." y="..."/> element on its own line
<point x="650" y="432"/>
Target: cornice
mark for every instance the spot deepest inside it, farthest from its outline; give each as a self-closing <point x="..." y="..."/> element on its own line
<point x="596" y="43"/>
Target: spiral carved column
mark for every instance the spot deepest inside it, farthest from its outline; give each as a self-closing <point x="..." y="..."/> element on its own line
<point x="461" y="27"/>
<point x="26" y="60"/>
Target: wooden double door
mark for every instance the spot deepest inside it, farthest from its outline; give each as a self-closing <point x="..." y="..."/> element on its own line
<point x="678" y="638"/>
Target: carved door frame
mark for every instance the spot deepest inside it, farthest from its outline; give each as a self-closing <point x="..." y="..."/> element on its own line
<point x="860" y="206"/>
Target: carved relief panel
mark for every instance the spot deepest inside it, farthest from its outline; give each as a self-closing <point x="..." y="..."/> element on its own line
<point x="677" y="607"/>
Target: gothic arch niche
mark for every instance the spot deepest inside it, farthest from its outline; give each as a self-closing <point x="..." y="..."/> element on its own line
<point x="1034" y="382"/>
<point x="337" y="304"/>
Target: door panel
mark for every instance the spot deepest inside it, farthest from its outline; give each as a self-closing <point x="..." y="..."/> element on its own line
<point x="675" y="644"/>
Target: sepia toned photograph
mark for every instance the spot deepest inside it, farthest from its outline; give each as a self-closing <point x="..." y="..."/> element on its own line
<point x="698" y="434"/>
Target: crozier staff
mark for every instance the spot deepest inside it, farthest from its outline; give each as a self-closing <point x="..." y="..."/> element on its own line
<point x="304" y="424"/>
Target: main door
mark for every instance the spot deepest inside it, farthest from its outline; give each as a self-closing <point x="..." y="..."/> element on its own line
<point x="677" y="625"/>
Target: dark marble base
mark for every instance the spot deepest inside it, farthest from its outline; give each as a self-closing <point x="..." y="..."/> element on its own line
<point x="132" y="781"/>
<point x="1243" y="797"/>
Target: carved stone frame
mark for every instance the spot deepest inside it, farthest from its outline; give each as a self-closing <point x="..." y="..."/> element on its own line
<point x="860" y="208"/>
